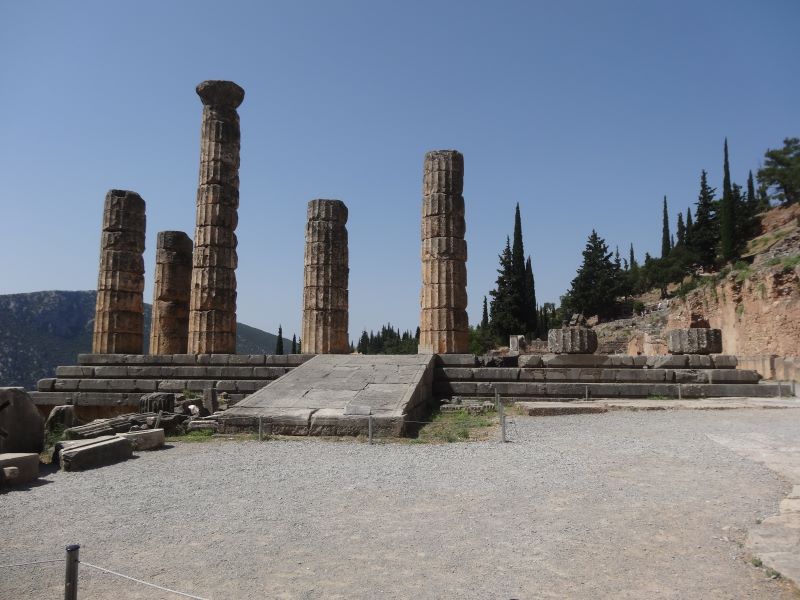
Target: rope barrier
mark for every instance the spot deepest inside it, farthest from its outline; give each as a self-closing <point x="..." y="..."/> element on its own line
<point x="36" y="562"/>
<point x="153" y="585"/>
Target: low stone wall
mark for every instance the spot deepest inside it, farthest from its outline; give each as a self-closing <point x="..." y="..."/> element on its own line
<point x="770" y="366"/>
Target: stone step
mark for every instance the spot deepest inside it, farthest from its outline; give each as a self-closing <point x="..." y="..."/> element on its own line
<point x="593" y="375"/>
<point x="170" y="372"/>
<point x="278" y="360"/>
<point x="124" y="400"/>
<point x="523" y="389"/>
<point x="145" y="386"/>
<point x="615" y="361"/>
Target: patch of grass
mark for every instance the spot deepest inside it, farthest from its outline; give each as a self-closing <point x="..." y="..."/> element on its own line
<point x="739" y="310"/>
<point x="775" y="260"/>
<point x="456" y="426"/>
<point x="756" y="562"/>
<point x="773" y="574"/>
<point x="790" y="262"/>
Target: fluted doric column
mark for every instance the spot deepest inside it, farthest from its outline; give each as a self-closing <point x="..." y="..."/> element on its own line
<point x="169" y="328"/>
<point x="118" y="317"/>
<point x="443" y="301"/>
<point x="325" y="300"/>
<point x="212" y="306"/>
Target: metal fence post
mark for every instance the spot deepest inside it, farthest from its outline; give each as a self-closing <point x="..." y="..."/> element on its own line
<point x="71" y="576"/>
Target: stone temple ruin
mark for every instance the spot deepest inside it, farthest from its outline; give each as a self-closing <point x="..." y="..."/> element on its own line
<point x="327" y="390"/>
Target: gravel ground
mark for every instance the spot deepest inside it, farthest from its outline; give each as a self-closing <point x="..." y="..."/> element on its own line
<point x="616" y="505"/>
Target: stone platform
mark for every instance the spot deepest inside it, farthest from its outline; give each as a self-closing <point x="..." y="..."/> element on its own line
<point x="335" y="394"/>
<point x="582" y="376"/>
<point x="106" y="385"/>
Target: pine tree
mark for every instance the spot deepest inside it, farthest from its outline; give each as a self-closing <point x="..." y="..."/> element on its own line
<point x="279" y="343"/>
<point x="597" y="283"/>
<point x="505" y="305"/>
<point x="485" y="316"/>
<point x="665" y="237"/>
<point x="704" y="229"/>
<point x="532" y="320"/>
<point x="781" y="172"/>
<point x="363" y="343"/>
<point x="681" y="230"/>
<point x="294" y="344"/>
<point x="727" y="214"/>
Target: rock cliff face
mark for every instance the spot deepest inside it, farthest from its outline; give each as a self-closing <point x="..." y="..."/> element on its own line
<point x="758" y="312"/>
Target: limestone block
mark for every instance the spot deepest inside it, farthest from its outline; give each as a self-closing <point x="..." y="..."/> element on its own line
<point x="444" y="271"/>
<point x="451" y="225"/>
<point x="694" y="341"/>
<point x="20" y="421"/>
<point x="572" y="340"/>
<point x="443" y="319"/>
<point x="443" y="204"/>
<point x="442" y="342"/>
<point x="77" y="455"/>
<point x="17" y="468"/>
<point x="724" y="361"/>
<point x="443" y="172"/>
<point x="667" y="362"/>
<point x="447" y="295"/>
<point x="147" y="439"/>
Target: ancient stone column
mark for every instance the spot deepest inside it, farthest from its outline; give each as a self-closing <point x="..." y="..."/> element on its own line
<point x="572" y="340"/>
<point x="212" y="306"/>
<point x="169" y="329"/>
<point x="325" y="299"/>
<point x="118" y="316"/>
<point x="701" y="340"/>
<point x="443" y="301"/>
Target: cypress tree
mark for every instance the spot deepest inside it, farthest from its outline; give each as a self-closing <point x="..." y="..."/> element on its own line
<point x="681" y="230"/>
<point x="752" y="200"/>
<point x="505" y="311"/>
<point x="485" y="316"/>
<point x="299" y="346"/>
<point x="532" y="319"/>
<point x="665" y="237"/>
<point x="688" y="235"/>
<point x="520" y="298"/>
<point x="294" y="344"/>
<point x="704" y="229"/>
<point x="632" y="258"/>
<point x="279" y="343"/>
<point x="727" y="214"/>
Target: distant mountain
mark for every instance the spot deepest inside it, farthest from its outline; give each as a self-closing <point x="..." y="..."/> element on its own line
<point x="41" y="330"/>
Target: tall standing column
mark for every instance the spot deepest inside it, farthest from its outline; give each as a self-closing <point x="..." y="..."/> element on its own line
<point x="325" y="300"/>
<point x="212" y="306"/>
<point x="118" y="315"/>
<point x="169" y="329"/>
<point x="443" y="301"/>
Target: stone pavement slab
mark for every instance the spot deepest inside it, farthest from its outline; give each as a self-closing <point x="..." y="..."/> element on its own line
<point x="320" y="396"/>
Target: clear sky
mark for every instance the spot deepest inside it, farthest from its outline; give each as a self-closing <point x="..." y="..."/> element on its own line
<point x="586" y="113"/>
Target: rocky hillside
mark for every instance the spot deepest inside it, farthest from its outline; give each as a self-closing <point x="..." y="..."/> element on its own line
<point x="41" y="330"/>
<point x="755" y="302"/>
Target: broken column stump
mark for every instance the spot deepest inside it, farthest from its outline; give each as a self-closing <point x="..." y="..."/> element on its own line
<point x="119" y="309"/>
<point x="169" y="329"/>
<point x="572" y="340"/>
<point x="78" y="455"/>
<point x="325" y="279"/>
<point x="443" y="299"/>
<point x="21" y="425"/>
<point x="212" y="305"/>
<point x="694" y="341"/>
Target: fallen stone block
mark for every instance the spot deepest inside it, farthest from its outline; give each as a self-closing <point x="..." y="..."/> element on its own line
<point x="17" y="468"/>
<point x="61" y="417"/>
<point x="201" y="425"/>
<point x="157" y="401"/>
<point x="21" y="425"/>
<point x="79" y="455"/>
<point x="550" y="409"/>
<point x="148" y="439"/>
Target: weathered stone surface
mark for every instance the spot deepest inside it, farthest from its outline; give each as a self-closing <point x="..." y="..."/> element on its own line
<point x="21" y="425"/>
<point x="118" y="323"/>
<point x="551" y="409"/>
<point x="325" y="279"/>
<point x="392" y="388"/>
<point x="443" y="298"/>
<point x="157" y="401"/>
<point x="78" y="455"/>
<point x="169" y="329"/>
<point x="212" y="303"/>
<point x="694" y="341"/>
<point x="61" y="417"/>
<point x="17" y="468"/>
<point x="572" y="340"/>
<point x="147" y="439"/>
<point x="527" y="361"/>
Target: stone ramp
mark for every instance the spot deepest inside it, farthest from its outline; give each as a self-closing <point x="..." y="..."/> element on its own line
<point x="334" y="394"/>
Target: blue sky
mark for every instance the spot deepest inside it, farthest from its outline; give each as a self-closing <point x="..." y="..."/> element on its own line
<point x="586" y="113"/>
